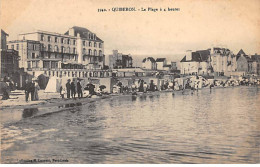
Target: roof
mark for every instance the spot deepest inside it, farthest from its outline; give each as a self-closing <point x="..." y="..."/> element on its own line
<point x="2" y="31"/>
<point x="198" y="56"/>
<point x="241" y="52"/>
<point x="160" y="59"/>
<point x="83" y="32"/>
<point x="149" y="58"/>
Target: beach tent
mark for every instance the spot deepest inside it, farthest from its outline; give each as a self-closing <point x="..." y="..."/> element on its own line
<point x="53" y="85"/>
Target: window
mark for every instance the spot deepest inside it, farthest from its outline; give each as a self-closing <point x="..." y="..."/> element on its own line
<point x="95" y="44"/>
<point x="100" y="45"/>
<point x="29" y="64"/>
<point x="84" y="43"/>
<point x="42" y="37"/>
<point x="74" y="42"/>
<point x="56" y="56"/>
<point x="100" y="53"/>
<point x="44" y="47"/>
<point x="33" y="55"/>
<point x="6" y="46"/>
<point x="68" y="49"/>
<point x="49" y="38"/>
<point x="90" y="44"/>
<point x="56" y="48"/>
<point x="17" y="46"/>
<point x="12" y="46"/>
<point x="95" y="52"/>
<point x="33" y="64"/>
<point x="62" y="49"/>
<point x="68" y="41"/>
<point x="56" y="39"/>
<point x="74" y="51"/>
<point x="34" y="47"/>
<point x="90" y="52"/>
<point x="84" y="50"/>
<point x="61" y="40"/>
<point x="49" y="47"/>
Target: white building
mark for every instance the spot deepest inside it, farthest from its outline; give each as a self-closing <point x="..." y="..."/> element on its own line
<point x="149" y="63"/>
<point x="195" y="63"/>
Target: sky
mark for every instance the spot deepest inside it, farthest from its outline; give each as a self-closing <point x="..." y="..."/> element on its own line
<point x="200" y="24"/>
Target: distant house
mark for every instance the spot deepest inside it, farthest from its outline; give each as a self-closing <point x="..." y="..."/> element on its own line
<point x="222" y="60"/>
<point x="119" y="60"/>
<point x="149" y="63"/>
<point x="161" y="63"/>
<point x="248" y="64"/>
<point x="195" y="63"/>
<point x="174" y="65"/>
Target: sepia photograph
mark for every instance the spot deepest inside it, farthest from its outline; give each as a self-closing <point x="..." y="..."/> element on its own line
<point x="130" y="82"/>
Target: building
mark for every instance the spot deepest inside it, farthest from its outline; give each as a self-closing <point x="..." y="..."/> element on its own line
<point x="161" y="63"/>
<point x="196" y="63"/>
<point x="70" y="54"/>
<point x="174" y="65"/>
<point x="149" y="63"/>
<point x="9" y="59"/>
<point x="256" y="64"/>
<point x="119" y="60"/>
<point x="248" y="64"/>
<point x="29" y="52"/>
<point x="222" y="61"/>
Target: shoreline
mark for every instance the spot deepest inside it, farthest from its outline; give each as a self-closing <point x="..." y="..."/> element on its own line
<point x="56" y="101"/>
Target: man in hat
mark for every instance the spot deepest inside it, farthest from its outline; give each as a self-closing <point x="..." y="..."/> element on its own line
<point x="68" y="87"/>
<point x="79" y="89"/>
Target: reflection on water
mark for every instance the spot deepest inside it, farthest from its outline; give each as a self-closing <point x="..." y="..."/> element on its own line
<point x="217" y="126"/>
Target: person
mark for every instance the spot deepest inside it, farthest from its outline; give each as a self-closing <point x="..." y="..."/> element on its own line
<point x="79" y="89"/>
<point x="141" y="86"/>
<point x="32" y="90"/>
<point x="68" y="87"/>
<point x="27" y="89"/>
<point x="145" y="87"/>
<point x="5" y="91"/>
<point x="73" y="89"/>
<point x="152" y="86"/>
<point x="62" y="92"/>
<point x="36" y="89"/>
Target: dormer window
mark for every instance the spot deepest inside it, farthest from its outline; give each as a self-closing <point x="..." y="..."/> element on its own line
<point x="56" y="39"/>
<point x="42" y="37"/>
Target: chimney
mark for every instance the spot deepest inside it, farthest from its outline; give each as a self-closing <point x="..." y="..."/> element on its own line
<point x="212" y="50"/>
<point x="71" y="32"/>
<point x="188" y="55"/>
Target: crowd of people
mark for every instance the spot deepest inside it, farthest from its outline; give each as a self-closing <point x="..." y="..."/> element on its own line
<point x="73" y="88"/>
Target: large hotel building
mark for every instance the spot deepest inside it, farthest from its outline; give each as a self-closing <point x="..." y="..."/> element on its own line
<point x="70" y="54"/>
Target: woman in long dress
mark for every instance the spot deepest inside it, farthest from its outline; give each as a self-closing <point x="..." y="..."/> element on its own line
<point x="36" y="89"/>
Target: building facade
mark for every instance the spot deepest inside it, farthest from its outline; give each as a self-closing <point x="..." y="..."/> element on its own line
<point x="196" y="63"/>
<point x="119" y="60"/>
<point x="149" y="63"/>
<point x="223" y="61"/>
<point x="9" y="58"/>
<point x="77" y="50"/>
<point x="161" y="63"/>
